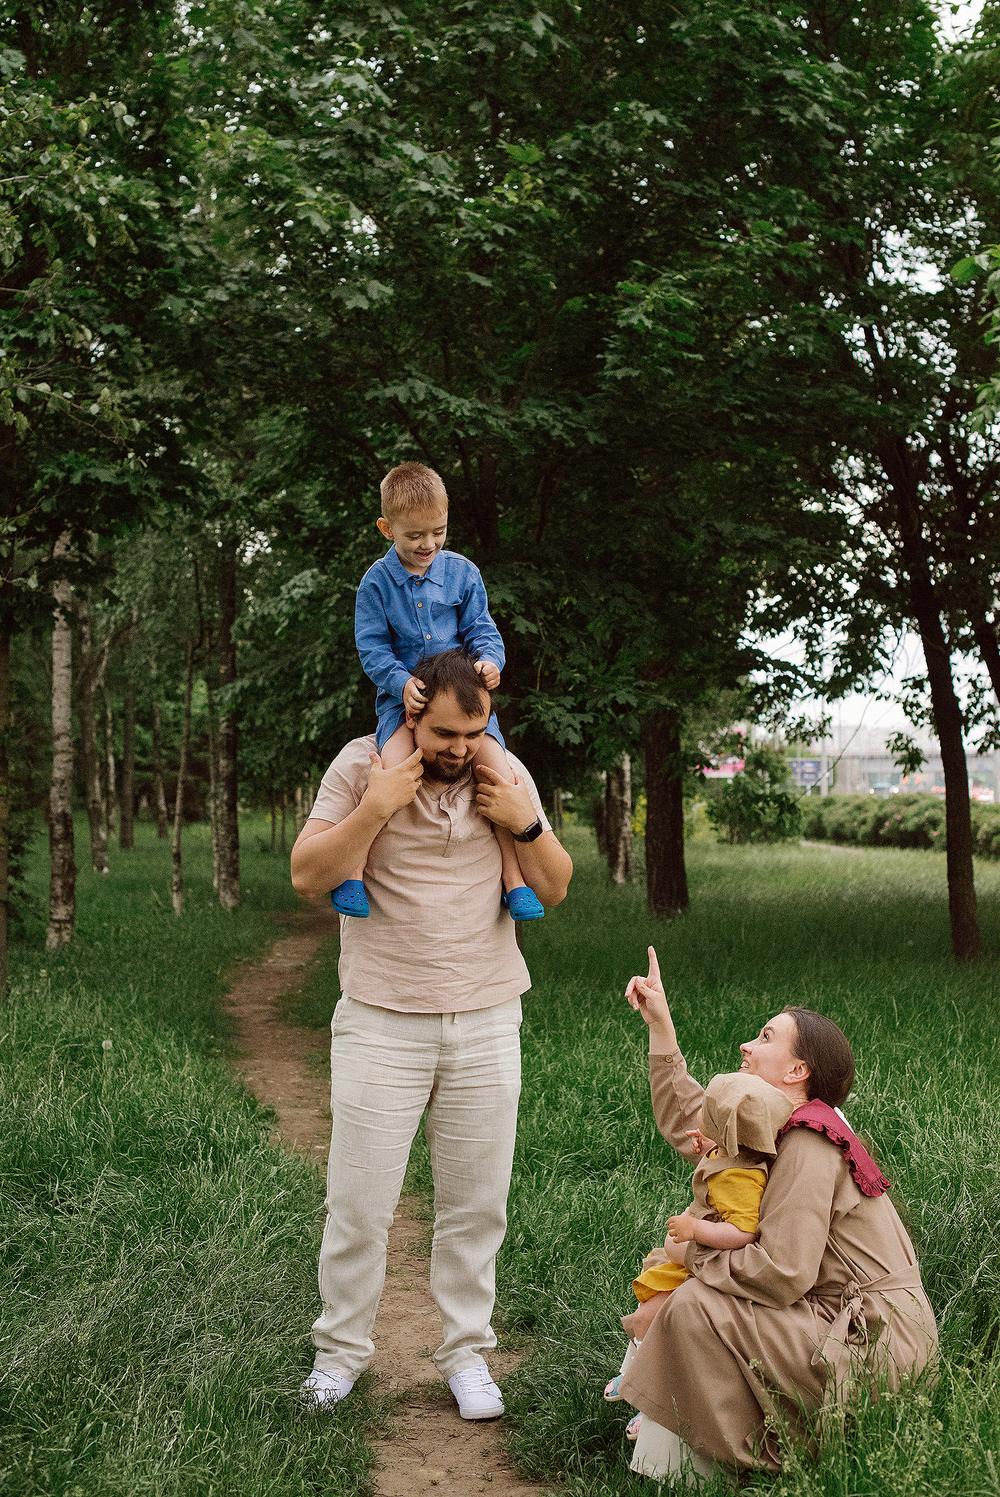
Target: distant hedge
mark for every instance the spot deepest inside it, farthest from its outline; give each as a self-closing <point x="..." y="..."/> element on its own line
<point x="894" y="821"/>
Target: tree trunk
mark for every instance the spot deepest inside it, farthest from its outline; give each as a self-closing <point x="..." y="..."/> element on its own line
<point x="213" y="777"/>
<point x="111" y="771"/>
<point x="6" y="632"/>
<point x="558" y="825"/>
<point x="176" y="884"/>
<point x="91" y="673"/>
<point x="159" y="790"/>
<point x="600" y="810"/>
<point x="274" y="823"/>
<point x="666" y="877"/>
<point x="618" y="832"/>
<point x="298" y="818"/>
<point x="284" y="820"/>
<point x="228" y="786"/>
<point x="126" y="824"/>
<point x="989" y="647"/>
<point x="62" y="859"/>
<point x="926" y="609"/>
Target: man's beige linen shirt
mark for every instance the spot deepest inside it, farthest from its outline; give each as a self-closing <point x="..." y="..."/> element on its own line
<point x="437" y="940"/>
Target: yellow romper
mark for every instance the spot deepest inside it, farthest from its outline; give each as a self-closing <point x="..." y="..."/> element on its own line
<point x="731" y="1195"/>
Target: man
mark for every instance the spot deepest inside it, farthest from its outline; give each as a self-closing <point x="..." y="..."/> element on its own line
<point x="429" y="1020"/>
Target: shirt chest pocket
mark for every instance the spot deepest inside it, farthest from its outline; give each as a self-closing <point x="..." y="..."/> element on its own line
<point x="443" y="611"/>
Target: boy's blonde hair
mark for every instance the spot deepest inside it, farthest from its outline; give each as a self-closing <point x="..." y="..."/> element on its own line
<point x="410" y="489"/>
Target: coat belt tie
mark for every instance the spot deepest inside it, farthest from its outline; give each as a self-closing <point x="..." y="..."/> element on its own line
<point x="851" y="1332"/>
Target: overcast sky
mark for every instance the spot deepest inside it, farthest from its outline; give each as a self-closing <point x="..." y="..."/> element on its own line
<point x="965" y="16"/>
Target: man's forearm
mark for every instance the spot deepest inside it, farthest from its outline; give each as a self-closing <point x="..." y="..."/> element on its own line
<point x="546" y="866"/>
<point x="325" y="859"/>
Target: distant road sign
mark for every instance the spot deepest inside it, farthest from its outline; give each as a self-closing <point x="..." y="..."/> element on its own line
<point x="806" y="772"/>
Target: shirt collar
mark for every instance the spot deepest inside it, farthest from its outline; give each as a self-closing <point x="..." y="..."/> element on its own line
<point x="398" y="572"/>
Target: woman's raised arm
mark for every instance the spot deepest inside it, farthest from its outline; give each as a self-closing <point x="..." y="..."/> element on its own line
<point x="677" y="1097"/>
<point x="646" y="996"/>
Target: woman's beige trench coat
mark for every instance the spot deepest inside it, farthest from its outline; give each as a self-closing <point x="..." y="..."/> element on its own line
<point x="830" y="1290"/>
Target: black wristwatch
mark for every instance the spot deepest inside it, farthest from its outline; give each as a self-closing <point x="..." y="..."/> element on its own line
<point x="530" y="832"/>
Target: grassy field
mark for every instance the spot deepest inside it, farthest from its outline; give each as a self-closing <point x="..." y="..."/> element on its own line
<point x="160" y="1279"/>
<point x="158" y="1273"/>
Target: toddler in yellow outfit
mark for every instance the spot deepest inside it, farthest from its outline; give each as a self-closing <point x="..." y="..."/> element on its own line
<point x="741" y="1117"/>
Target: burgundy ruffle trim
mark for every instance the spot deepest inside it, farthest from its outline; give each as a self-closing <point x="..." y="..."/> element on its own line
<point x="822" y="1119"/>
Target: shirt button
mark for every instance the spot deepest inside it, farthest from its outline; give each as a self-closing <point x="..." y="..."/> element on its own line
<point x="426" y="636"/>
<point x="420" y="605"/>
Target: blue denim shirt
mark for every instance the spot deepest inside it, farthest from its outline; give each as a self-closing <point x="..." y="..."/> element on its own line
<point x="399" y="617"/>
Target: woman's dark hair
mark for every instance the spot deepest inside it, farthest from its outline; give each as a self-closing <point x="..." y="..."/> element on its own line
<point x="824" y="1047"/>
<point x="454" y="671"/>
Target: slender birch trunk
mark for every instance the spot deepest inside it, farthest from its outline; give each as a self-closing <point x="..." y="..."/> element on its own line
<point x="274" y="823"/>
<point x="298" y="819"/>
<point x="601" y="816"/>
<point x="213" y="777"/>
<point x="176" y="884"/>
<point x="159" y="790"/>
<point x="618" y="833"/>
<point x="62" y="859"/>
<point x="284" y="820"/>
<point x="111" y="769"/>
<point x="91" y="672"/>
<point x="228" y="783"/>
<point x="557" y="812"/>
<point x="126" y="822"/>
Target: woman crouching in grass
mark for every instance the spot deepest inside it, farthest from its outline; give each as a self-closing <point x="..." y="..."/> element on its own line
<point x="827" y="1295"/>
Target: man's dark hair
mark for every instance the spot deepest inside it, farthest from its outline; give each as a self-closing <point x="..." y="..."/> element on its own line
<point x="454" y="671"/>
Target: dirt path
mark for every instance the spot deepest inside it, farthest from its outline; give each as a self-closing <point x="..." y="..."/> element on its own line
<point x="430" y="1450"/>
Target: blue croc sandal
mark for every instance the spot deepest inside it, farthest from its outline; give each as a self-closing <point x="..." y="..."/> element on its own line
<point x="523" y="904"/>
<point x="349" y="898"/>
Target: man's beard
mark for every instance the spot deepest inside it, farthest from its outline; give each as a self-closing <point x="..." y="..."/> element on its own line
<point x="437" y="769"/>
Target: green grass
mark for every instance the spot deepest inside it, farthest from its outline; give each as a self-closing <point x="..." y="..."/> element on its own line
<point x="159" y="1279"/>
<point x="158" y="1269"/>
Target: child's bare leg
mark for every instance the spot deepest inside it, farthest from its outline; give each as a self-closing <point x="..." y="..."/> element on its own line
<point x="492" y="756"/>
<point x="399" y="747"/>
<point x="638" y="1323"/>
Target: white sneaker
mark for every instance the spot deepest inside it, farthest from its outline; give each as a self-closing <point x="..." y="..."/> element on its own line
<point x="322" y="1391"/>
<point x="476" y="1394"/>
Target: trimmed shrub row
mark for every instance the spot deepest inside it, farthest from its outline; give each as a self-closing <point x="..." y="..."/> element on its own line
<point x="894" y="821"/>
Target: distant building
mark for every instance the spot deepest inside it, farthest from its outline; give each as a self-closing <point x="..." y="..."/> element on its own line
<point x="855" y="759"/>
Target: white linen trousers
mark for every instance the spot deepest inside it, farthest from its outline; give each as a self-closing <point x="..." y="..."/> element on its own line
<point x="387" y="1069"/>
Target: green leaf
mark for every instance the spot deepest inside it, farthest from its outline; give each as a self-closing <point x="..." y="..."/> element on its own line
<point x="968" y="268"/>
